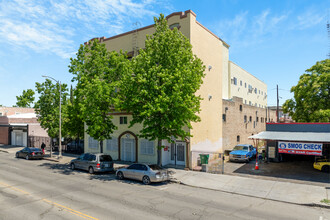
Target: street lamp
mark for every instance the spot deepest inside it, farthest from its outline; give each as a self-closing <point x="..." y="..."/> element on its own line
<point x="60" y="135"/>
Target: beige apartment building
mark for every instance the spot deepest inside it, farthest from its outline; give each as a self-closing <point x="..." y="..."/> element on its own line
<point x="207" y="134"/>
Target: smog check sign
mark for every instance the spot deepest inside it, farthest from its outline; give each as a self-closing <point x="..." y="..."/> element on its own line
<point x="300" y="148"/>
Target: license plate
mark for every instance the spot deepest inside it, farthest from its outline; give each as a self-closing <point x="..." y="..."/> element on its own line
<point x="107" y="165"/>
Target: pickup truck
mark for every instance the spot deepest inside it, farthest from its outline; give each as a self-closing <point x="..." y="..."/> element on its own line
<point x="242" y="152"/>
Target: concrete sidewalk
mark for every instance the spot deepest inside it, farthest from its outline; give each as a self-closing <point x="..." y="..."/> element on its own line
<point x="296" y="193"/>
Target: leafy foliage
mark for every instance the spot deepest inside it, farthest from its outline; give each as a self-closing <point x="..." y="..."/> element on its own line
<point x="47" y="107"/>
<point x="311" y="95"/>
<point x="26" y="99"/>
<point x="97" y="72"/>
<point x="161" y="92"/>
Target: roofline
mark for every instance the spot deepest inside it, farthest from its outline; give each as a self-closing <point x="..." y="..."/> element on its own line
<point x="247" y="72"/>
<point x="181" y="14"/>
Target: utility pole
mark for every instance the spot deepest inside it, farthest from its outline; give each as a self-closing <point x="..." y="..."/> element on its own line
<point x="277" y="108"/>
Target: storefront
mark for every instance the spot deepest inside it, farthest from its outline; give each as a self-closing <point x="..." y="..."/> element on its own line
<point x="293" y="141"/>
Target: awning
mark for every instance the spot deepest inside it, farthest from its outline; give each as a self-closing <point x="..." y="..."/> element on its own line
<point x="293" y="136"/>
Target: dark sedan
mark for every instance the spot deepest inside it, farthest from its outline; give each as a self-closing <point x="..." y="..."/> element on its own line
<point x="30" y="153"/>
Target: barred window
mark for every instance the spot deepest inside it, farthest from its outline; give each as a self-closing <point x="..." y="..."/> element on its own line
<point x="112" y="144"/>
<point x="147" y="147"/>
<point x="92" y="143"/>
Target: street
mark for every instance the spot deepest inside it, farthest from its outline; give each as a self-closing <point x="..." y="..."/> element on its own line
<point x="47" y="190"/>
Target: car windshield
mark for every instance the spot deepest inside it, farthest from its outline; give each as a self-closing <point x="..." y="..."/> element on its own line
<point x="239" y="147"/>
<point x="105" y="158"/>
<point x="155" y="167"/>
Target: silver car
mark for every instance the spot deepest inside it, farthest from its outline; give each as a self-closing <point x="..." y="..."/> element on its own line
<point x="143" y="172"/>
<point x="93" y="163"/>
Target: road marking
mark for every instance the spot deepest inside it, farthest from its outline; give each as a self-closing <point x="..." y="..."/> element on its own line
<point x="70" y="210"/>
<point x="14" y="188"/>
<point x="75" y="212"/>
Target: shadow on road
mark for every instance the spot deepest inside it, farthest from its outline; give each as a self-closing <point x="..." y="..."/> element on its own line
<point x="291" y="171"/>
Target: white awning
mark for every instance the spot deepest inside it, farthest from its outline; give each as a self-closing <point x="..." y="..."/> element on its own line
<point x="293" y="136"/>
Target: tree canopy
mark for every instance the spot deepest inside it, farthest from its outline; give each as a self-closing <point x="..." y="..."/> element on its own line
<point x="311" y="95"/>
<point x="97" y="73"/>
<point x="26" y="99"/>
<point x="47" y="107"/>
<point x="161" y="92"/>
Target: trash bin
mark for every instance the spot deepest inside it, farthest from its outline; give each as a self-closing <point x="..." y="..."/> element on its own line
<point x="204" y="158"/>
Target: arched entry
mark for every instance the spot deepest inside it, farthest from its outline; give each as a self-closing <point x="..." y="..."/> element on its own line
<point x="128" y="147"/>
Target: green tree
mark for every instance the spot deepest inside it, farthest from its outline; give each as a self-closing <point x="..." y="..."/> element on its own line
<point x="97" y="72"/>
<point x="47" y="107"/>
<point x="311" y="95"/>
<point x="161" y="94"/>
<point x="26" y="99"/>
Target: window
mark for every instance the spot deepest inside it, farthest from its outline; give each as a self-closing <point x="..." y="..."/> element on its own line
<point x="256" y="105"/>
<point x="224" y="117"/>
<point x="262" y="92"/>
<point x="250" y="89"/>
<point x="250" y="118"/>
<point x="257" y="119"/>
<point x="112" y="144"/>
<point x="245" y="85"/>
<point x="241" y="83"/>
<point x="241" y="107"/>
<point x="0" y="113"/>
<point x="254" y="124"/>
<point x="259" y="91"/>
<point x="175" y="25"/>
<point x="250" y="103"/>
<point x="147" y="147"/>
<point x="245" y="101"/>
<point x="17" y="113"/>
<point x="123" y="120"/>
<point x="262" y="119"/>
<point x="255" y="90"/>
<point x="238" y="138"/>
<point x="245" y="118"/>
<point x="234" y="81"/>
<point x="92" y="143"/>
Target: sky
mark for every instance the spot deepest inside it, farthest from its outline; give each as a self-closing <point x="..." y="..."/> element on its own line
<point x="275" y="40"/>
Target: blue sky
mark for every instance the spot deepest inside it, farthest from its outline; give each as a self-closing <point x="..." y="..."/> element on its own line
<point x="274" y="40"/>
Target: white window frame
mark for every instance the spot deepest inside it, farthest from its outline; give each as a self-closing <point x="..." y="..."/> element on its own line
<point x="147" y="147"/>
<point x="112" y="144"/>
<point x="91" y="143"/>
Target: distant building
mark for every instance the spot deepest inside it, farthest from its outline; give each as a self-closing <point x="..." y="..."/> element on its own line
<point x="283" y="117"/>
<point x="19" y="126"/>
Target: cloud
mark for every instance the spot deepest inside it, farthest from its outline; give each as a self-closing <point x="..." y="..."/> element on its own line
<point x="54" y="26"/>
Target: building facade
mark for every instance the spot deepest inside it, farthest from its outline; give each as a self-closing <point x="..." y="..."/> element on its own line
<point x="207" y="135"/>
<point x="19" y="126"/>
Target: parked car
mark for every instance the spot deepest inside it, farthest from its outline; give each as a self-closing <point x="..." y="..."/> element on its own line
<point x="242" y="152"/>
<point x="93" y="163"/>
<point x="30" y="153"/>
<point x="322" y="164"/>
<point x="143" y="172"/>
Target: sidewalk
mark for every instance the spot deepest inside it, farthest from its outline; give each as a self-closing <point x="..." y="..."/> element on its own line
<point x="296" y="193"/>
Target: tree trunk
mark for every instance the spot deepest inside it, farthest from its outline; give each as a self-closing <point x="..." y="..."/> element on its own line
<point x="101" y="146"/>
<point x="159" y="153"/>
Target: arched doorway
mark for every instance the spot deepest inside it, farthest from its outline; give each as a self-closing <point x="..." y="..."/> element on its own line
<point x="128" y="147"/>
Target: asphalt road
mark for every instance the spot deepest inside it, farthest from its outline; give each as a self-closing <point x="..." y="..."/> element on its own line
<point x="47" y="190"/>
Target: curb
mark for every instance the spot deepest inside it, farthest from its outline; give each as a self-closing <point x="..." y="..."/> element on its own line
<point x="294" y="203"/>
<point x="4" y="151"/>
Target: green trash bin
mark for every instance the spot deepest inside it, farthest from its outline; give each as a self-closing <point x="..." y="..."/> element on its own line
<point x="204" y="158"/>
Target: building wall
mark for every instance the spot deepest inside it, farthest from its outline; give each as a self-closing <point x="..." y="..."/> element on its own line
<point x="207" y="134"/>
<point x="7" y="111"/>
<point x="258" y="99"/>
<point x="235" y="125"/>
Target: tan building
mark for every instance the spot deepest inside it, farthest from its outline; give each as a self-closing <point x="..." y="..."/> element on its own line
<point x="19" y="126"/>
<point x="207" y="134"/>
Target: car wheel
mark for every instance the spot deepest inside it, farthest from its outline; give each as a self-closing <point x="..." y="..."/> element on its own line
<point x="325" y="169"/>
<point x="91" y="170"/>
<point x="146" y="180"/>
<point x="120" y="175"/>
<point x="27" y="157"/>
<point x="73" y="166"/>
<point x="17" y="155"/>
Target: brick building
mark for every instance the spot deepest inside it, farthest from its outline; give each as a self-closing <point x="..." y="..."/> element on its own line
<point x="241" y="121"/>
